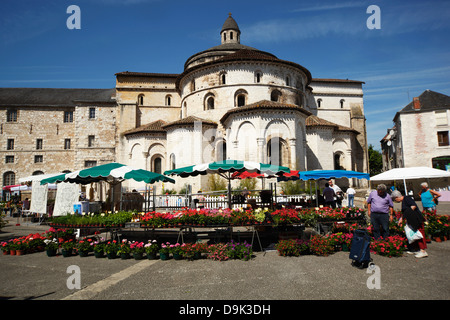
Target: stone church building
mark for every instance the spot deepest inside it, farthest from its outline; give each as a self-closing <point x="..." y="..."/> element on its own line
<point x="230" y="101"/>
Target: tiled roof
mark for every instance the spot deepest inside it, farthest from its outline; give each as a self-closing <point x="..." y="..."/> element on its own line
<point x="147" y="74"/>
<point x="336" y="80"/>
<point x="264" y="105"/>
<point x="429" y="100"/>
<point x="155" y="126"/>
<point x="53" y="97"/>
<point x="315" y="121"/>
<point x="188" y="121"/>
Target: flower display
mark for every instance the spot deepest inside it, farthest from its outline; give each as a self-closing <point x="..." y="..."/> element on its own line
<point x="321" y="245"/>
<point x="393" y="246"/>
<point x="112" y="247"/>
<point x="151" y="247"/>
<point x="84" y="245"/>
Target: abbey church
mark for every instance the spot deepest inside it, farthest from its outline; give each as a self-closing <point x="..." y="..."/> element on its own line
<point x="230" y="101"/>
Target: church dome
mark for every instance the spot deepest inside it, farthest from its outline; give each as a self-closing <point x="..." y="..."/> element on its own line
<point x="230" y="43"/>
<point x="230" y="24"/>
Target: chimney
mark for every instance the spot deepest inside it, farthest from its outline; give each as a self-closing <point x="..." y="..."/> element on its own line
<point x="416" y="103"/>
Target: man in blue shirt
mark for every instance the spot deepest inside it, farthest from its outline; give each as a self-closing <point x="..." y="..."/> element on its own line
<point x="380" y="209"/>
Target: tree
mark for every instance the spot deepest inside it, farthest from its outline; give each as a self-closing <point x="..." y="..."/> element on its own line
<point x="375" y="161"/>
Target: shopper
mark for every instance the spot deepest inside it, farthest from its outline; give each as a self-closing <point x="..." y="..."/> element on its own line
<point x="415" y="220"/>
<point x="350" y="197"/>
<point x="338" y="193"/>
<point x="380" y="210"/>
<point x="428" y="197"/>
<point x="329" y="196"/>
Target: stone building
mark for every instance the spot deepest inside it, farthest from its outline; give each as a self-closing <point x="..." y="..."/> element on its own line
<point x="420" y="135"/>
<point x="230" y="101"/>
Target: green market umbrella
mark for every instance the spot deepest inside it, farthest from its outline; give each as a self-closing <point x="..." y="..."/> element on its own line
<point x="226" y="168"/>
<point x="113" y="173"/>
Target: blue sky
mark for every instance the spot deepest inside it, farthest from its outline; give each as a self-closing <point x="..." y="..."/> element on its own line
<point x="409" y="54"/>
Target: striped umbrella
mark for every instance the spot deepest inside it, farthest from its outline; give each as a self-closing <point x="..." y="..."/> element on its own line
<point x="226" y="168"/>
<point x="113" y="173"/>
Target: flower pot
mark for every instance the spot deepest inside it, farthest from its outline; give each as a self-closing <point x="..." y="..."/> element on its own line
<point x="177" y="256"/>
<point x="437" y="239"/>
<point x="164" y="256"/>
<point x="124" y="256"/>
<point x="83" y="253"/>
<point x="152" y="256"/>
<point x="51" y="252"/>
<point x="111" y="255"/>
<point x="99" y="254"/>
<point x="12" y="252"/>
<point x="137" y="256"/>
<point x="5" y="253"/>
<point x="20" y="252"/>
<point x="66" y="253"/>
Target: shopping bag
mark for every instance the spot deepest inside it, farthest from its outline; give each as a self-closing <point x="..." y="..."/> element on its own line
<point x="412" y="235"/>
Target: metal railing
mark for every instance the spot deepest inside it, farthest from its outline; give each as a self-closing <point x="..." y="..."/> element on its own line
<point x="149" y="201"/>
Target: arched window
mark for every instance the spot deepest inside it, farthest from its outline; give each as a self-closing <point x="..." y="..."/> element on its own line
<point x="258" y="76"/>
<point x="193" y="85"/>
<point x="172" y="162"/>
<point x="319" y="103"/>
<point x="9" y="178"/>
<point x="275" y="96"/>
<point x="141" y="100"/>
<point x="240" y="98"/>
<point x="338" y="161"/>
<point x="168" y="100"/>
<point x="342" y="103"/>
<point x="36" y="173"/>
<point x="157" y="165"/>
<point x="231" y="35"/>
<point x="222" y="77"/>
<point x="209" y="102"/>
<point x="288" y="81"/>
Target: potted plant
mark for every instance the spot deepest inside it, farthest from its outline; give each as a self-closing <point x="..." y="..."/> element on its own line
<point x="188" y="251"/>
<point x="177" y="251"/>
<point x="124" y="250"/>
<point x="21" y="246"/>
<point x="321" y="245"/>
<point x="67" y="248"/>
<point x="83" y="247"/>
<point x="5" y="247"/>
<point x="51" y="246"/>
<point x="99" y="248"/>
<point x="151" y="249"/>
<point x="137" y="249"/>
<point x="111" y="249"/>
<point x="164" y="251"/>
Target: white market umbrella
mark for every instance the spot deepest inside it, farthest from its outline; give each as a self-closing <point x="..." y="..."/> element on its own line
<point x="410" y="174"/>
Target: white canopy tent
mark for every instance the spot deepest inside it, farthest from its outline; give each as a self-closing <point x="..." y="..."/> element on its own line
<point x="412" y="173"/>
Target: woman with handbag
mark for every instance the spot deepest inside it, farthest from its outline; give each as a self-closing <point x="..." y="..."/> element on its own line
<point x="429" y="197"/>
<point x="414" y="220"/>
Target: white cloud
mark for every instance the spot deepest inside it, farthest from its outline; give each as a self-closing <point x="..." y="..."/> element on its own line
<point x="333" y="6"/>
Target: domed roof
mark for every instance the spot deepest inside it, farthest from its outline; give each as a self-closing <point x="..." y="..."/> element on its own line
<point x="230" y="23"/>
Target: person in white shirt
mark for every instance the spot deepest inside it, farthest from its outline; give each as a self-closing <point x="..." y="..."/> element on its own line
<point x="338" y="192"/>
<point x="351" y="196"/>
